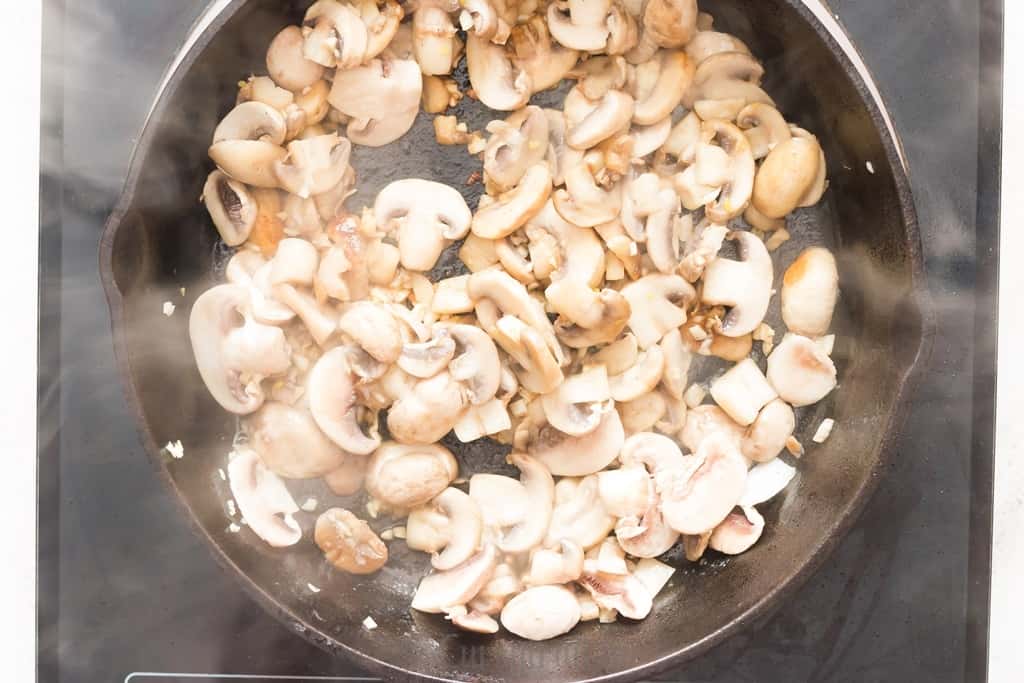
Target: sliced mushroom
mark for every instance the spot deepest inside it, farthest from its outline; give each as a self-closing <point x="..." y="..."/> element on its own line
<point x="503" y="586"/>
<point x="810" y="288"/>
<point x="347" y="479"/>
<point x="498" y="217"/>
<point x="704" y="421"/>
<point x="406" y="476"/>
<point x="465" y="528"/>
<point x="503" y="501"/>
<point x="622" y="592"/>
<point x="349" y="543"/>
<point x="382" y="98"/>
<point x="641" y="378"/>
<point x="699" y="502"/>
<point x="736" y="192"/>
<point x="295" y="262"/>
<point x="335" y="35"/>
<point x="764" y="127"/>
<point x="660" y="92"/>
<point x="374" y="328"/>
<point x="426" y="359"/>
<point x="579" y="514"/>
<point x="625" y="491"/>
<point x="569" y="456"/>
<point x="549" y="566"/>
<point x="545" y="62"/>
<point x="290" y="444"/>
<point x="332" y="403"/>
<point x="433" y="40"/>
<point x="579" y="25"/>
<point x="541" y="613"/>
<point x="742" y="391"/>
<point x="261" y="497"/>
<point x="473" y="621"/>
<point x="647" y="535"/>
<point x="744" y="285"/>
<point x="286" y="63"/>
<point x="584" y="202"/>
<point x="618" y="356"/>
<point x="800" y="371"/>
<point x="248" y="161"/>
<point x="427" y="412"/>
<point x="670" y="23"/>
<point x="429" y="216"/>
<point x="643" y="412"/>
<point x="608" y="116"/>
<point x="766" y="438"/>
<point x="497" y="82"/>
<point x="440" y="590"/>
<point x="540" y="490"/>
<point x="514" y="146"/>
<point x="664" y="227"/>
<point x="708" y="43"/>
<point x="765" y="481"/>
<point x="658" y="304"/>
<point x="510" y="297"/>
<point x="313" y="165"/>
<point x="475" y="362"/>
<point x="576" y="407"/>
<point x="231" y="207"/>
<point x="695" y="546"/>
<point x="320" y="320"/>
<point x="382" y="22"/>
<point x="738" y="532"/>
<point x="677" y="363"/>
<point x="534" y="365"/>
<point x="678" y="150"/>
<point x="786" y="176"/>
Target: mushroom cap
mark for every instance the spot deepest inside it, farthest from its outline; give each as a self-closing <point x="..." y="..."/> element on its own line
<point x="576" y="406"/>
<point x="262" y="496"/>
<point x="290" y="444"/>
<point x="248" y="161"/>
<point x="541" y="613"/>
<point x="610" y="115"/>
<point x="640" y="379"/>
<point x="287" y="65"/>
<point x="786" y="176"/>
<point x="810" y="288"/>
<point x="405" y="476"/>
<point x="497" y="82"/>
<point x="329" y="389"/>
<point x="511" y="298"/>
<point x="513" y="148"/>
<point x="707" y="43"/>
<point x="736" y="193"/>
<point x="251" y="121"/>
<point x="231" y="207"/>
<point x="800" y="371"/>
<point x="744" y="285"/>
<point x="549" y="566"/>
<point x="670" y="23"/>
<point x="382" y="97"/>
<point x="426" y="359"/>
<point x="433" y="39"/>
<point x="768" y="434"/>
<point x="584" y="202"/>
<point x="764" y="127"/>
<point x="575" y="456"/>
<point x="732" y="64"/>
<point x="646" y="536"/>
<point x="429" y="215"/>
<point x="428" y="411"/>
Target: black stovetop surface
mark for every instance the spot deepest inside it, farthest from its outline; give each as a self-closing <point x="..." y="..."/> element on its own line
<point x="126" y="587"/>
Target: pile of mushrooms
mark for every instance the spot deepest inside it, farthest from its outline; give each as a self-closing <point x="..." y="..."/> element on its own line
<point x="593" y="280"/>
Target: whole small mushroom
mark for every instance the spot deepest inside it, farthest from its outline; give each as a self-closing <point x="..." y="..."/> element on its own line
<point x="541" y="613"/>
<point x="290" y="444"/>
<point x="810" y="288"/>
<point x="406" y="476"/>
<point x="800" y="371"/>
<point x="349" y="543"/>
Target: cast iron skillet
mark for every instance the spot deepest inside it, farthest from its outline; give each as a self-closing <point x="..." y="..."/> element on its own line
<point x="159" y="239"/>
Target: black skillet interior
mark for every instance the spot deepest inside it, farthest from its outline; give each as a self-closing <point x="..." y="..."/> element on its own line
<point x="160" y="240"/>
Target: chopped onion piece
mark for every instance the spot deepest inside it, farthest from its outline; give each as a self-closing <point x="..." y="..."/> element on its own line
<point x="653" y="574"/>
<point x="765" y="481"/>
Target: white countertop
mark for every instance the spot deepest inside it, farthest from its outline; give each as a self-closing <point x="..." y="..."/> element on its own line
<point x="17" y="404"/>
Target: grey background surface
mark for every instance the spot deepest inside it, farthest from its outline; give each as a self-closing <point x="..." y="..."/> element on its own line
<point x="129" y="588"/>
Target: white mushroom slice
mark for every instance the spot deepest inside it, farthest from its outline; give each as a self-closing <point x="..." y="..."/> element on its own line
<point x="251" y="121"/>
<point x="451" y="297"/>
<point x="598" y="75"/>
<point x="313" y="165"/>
<point x="336" y="35"/>
<point x="738" y="532"/>
<point x="618" y="356"/>
<point x="503" y="586"/>
<point x="810" y="288"/>
<point x="744" y="285"/>
<point x="248" y="161"/>
<point x="653" y="574"/>
<point x="320" y="320"/>
<point x="625" y="492"/>
<point x="674" y="73"/>
<point x="664" y="228"/>
<point x="765" y="481"/>
<point x="658" y="304"/>
<point x="643" y="412"/>
<point x="456" y="586"/>
<point x="286" y="63"/>
<point x="768" y="435"/>
<point x="611" y="114"/>
<point x="742" y="391"/>
<point x="579" y="514"/>
<point x="211" y="323"/>
<point x="548" y="566"/>
<point x="406" y="476"/>
<point x="426" y="359"/>
<point x="609" y="557"/>
<point x="290" y="444"/>
<point x="473" y="621"/>
<point x="231" y="207"/>
<point x="670" y="23"/>
<point x="569" y="456"/>
<point x="382" y="22"/>
<point x="511" y="298"/>
<point x="702" y="247"/>
<point x="641" y="378"/>
<point x="427" y="412"/>
<point x="541" y="613"/>
<point x="736" y="193"/>
<point x="482" y="17"/>
<point x="497" y="82"/>
<point x="707" y="43"/>
<point x="261" y="497"/>
<point x="736" y="65"/>
<point x="429" y="216"/>
<point x="332" y="403"/>
<point x="786" y="176"/>
<point x="536" y="368"/>
<point x="243" y="266"/>
<point x="475" y="362"/>
<point x="268" y="310"/>
<point x="433" y="41"/>
<point x="587" y="317"/>
<point x="382" y="98"/>
<point x="678" y="150"/>
<point x="295" y="262"/>
<point x="621" y="592"/>
<point x="648" y="139"/>
<point x="426" y="529"/>
<point x="465" y="528"/>
<point x="704" y="421"/>
<point x="349" y="543"/>
<point x="544" y="61"/>
<point x="647" y="535"/>
<point x="764" y="127"/>
<point x="483" y="420"/>
<point x="374" y="328"/>
<point x="501" y="216"/>
<point x="576" y="406"/>
<point x="503" y="500"/>
<point x="800" y="371"/>
<point x="678" y="358"/>
<point x="515" y="145"/>
<point x="540" y="489"/>
<point x="698" y="503"/>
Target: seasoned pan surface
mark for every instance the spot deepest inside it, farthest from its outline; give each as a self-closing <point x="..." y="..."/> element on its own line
<point x="159" y="240"/>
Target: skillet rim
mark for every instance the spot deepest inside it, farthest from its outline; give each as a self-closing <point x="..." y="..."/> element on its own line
<point x="905" y="385"/>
